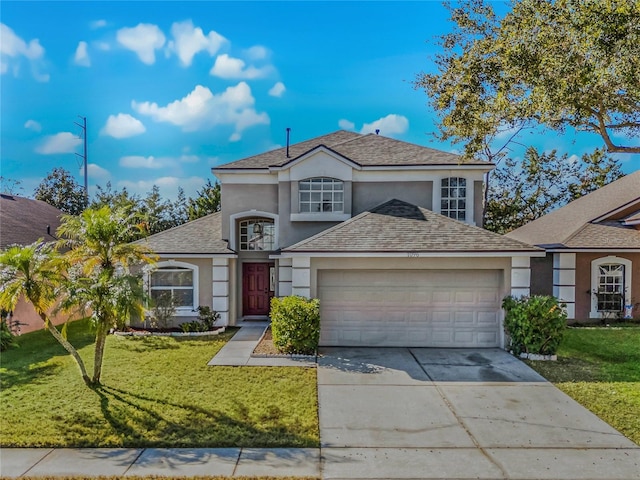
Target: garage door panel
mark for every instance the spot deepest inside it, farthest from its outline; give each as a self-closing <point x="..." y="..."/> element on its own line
<point x="443" y="308"/>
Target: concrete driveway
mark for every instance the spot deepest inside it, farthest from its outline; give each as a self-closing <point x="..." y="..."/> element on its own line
<point x="457" y="414"/>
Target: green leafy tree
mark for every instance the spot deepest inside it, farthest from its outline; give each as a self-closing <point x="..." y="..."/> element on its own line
<point x="207" y="201"/>
<point x="566" y="63"/>
<point x="523" y="191"/>
<point x="34" y="272"/>
<point x="100" y="254"/>
<point x="115" y="199"/>
<point x="61" y="190"/>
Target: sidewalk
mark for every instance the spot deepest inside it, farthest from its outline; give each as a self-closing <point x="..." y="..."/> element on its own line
<point x="178" y="462"/>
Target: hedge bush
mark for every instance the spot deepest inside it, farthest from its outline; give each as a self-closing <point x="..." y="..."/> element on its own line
<point x="295" y="324"/>
<point x="534" y="324"/>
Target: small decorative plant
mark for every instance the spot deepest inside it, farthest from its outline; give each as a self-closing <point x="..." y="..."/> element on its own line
<point x="535" y="324"/>
<point x="295" y="324"/>
<point x="205" y="322"/>
<point x="163" y="310"/>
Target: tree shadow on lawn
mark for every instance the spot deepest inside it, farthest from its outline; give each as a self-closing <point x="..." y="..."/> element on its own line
<point x="141" y="421"/>
<point x="27" y="363"/>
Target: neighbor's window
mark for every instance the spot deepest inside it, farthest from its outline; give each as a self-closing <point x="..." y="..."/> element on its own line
<point x="610" y="287"/>
<point x="177" y="281"/>
<point x="257" y="234"/>
<point x="321" y="195"/>
<point x="454" y="198"/>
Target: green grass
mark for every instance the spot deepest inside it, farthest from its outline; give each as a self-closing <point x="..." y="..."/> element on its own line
<point x="600" y="369"/>
<point x="157" y="391"/>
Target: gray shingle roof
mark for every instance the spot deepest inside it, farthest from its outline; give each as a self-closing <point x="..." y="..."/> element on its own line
<point x="611" y="234"/>
<point x="397" y="226"/>
<point x="24" y="220"/>
<point x="200" y="236"/>
<point x="569" y="223"/>
<point x="364" y="150"/>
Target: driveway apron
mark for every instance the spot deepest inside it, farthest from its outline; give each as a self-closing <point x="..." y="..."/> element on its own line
<point x="457" y="414"/>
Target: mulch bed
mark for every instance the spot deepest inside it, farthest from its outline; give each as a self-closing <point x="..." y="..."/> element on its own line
<point x="266" y="346"/>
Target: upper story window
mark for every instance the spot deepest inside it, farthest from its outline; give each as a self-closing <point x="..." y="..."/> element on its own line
<point x="321" y="195"/>
<point x="257" y="234"/>
<point x="177" y="282"/>
<point x="453" y="198"/>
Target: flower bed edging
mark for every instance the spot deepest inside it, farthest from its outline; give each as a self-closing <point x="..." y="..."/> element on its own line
<point x="170" y="334"/>
<point x="539" y="357"/>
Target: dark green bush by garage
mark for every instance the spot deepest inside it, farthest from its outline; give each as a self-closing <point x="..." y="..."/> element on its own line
<point x="534" y="324"/>
<point x="295" y="324"/>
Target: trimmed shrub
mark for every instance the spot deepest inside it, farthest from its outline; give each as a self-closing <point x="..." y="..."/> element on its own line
<point x="534" y="324"/>
<point x="295" y="324"/>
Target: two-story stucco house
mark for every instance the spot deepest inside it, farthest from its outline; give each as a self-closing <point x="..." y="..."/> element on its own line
<point x="382" y="231"/>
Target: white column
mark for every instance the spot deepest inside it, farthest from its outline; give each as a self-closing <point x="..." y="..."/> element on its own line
<point x="220" y="290"/>
<point x="564" y="281"/>
<point x="520" y="276"/>
<point x="301" y="277"/>
<point x="285" y="274"/>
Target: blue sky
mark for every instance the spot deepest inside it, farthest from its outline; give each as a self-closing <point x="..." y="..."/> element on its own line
<point x="171" y="89"/>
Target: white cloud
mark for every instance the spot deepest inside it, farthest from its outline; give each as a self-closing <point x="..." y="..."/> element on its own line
<point x="390" y="125"/>
<point x="138" y="161"/>
<point x="122" y="125"/>
<point x="33" y="125"/>
<point x="189" y="40"/>
<point x="12" y="48"/>
<point x="98" y="24"/>
<point x="168" y="186"/>
<point x="96" y="172"/>
<point x="81" y="56"/>
<point x="229" y="67"/>
<point x="201" y="109"/>
<point x="151" y="162"/>
<point x="63" y="142"/>
<point x="257" y="52"/>
<point x="143" y="39"/>
<point x="346" y="124"/>
<point x="104" y="46"/>
<point x="277" y="90"/>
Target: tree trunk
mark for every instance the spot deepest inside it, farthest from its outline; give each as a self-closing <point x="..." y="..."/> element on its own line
<point x="101" y="337"/>
<point x="68" y="347"/>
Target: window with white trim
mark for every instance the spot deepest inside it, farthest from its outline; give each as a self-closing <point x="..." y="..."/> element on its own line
<point x="257" y="234"/>
<point x="321" y="195"/>
<point x="453" y="198"/>
<point x="179" y="282"/>
<point x="610" y="291"/>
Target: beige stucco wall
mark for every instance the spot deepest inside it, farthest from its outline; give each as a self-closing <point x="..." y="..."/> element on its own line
<point x="30" y="321"/>
<point x="367" y="195"/>
<point x="238" y="198"/>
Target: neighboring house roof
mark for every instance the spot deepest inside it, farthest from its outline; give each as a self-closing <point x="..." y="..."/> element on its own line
<point x="200" y="236"/>
<point x="397" y="226"/>
<point x="24" y="220"/>
<point x="365" y="150"/>
<point x="587" y="222"/>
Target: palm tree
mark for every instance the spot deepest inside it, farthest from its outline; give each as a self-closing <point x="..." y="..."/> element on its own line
<point x="100" y="253"/>
<point x="34" y="273"/>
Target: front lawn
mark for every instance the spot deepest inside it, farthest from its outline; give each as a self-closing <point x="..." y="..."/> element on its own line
<point x="600" y="368"/>
<point x="157" y="391"/>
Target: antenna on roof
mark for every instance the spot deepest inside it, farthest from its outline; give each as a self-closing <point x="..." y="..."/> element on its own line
<point x="377" y="131"/>
<point x="288" y="132"/>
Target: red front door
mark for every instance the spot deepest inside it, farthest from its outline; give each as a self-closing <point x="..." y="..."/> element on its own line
<point x="255" y="288"/>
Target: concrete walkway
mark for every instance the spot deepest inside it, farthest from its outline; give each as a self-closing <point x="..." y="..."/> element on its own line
<point x="390" y="413"/>
<point x="237" y="351"/>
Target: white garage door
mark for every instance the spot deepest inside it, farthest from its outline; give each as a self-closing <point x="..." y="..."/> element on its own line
<point x="426" y="308"/>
